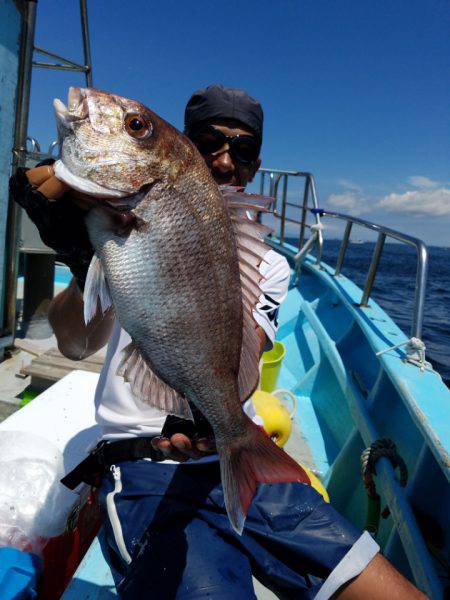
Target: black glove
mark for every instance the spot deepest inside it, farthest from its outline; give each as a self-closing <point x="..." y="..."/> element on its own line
<point x="61" y="224"/>
<point x="199" y="428"/>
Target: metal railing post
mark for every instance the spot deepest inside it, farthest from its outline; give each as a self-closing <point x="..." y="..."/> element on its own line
<point x="66" y="64"/>
<point x="312" y="185"/>
<point x="304" y="212"/>
<point x="261" y="182"/>
<point x="420" y="289"/>
<point x="343" y="248"/>
<point x="20" y="153"/>
<point x="271" y="184"/>
<point x="319" y="248"/>
<point x="19" y="156"/>
<point x="86" y="44"/>
<point x="373" y="269"/>
<point x="283" y="209"/>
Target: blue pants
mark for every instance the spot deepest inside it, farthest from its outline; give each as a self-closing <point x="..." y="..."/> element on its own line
<point x="168" y="535"/>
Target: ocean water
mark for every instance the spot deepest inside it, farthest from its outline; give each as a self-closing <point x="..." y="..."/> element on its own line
<point x="394" y="291"/>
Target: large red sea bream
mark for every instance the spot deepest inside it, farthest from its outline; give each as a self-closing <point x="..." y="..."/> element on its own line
<point x="179" y="260"/>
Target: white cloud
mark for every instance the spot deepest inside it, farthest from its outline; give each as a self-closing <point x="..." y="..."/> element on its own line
<point x="425" y="201"/>
<point x="349" y="202"/>
<point x="421" y="182"/>
<point x="347" y="184"/>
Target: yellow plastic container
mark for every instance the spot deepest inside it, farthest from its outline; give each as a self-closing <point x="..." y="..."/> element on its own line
<point x="277" y="424"/>
<point x="271" y="365"/>
<point x="317" y="484"/>
<point x="277" y="420"/>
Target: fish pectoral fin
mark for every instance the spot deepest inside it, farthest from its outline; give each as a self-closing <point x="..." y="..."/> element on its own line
<point x="147" y="387"/>
<point x="254" y="202"/>
<point x="95" y="288"/>
<point x="251" y="251"/>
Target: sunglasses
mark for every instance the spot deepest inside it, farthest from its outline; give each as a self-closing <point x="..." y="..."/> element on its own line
<point x="243" y="148"/>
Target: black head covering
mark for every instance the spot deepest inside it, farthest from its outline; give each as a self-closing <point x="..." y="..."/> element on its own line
<point x="219" y="102"/>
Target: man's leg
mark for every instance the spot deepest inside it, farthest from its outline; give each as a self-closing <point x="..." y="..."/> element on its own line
<point x="300" y="547"/>
<point x="378" y="581"/>
<point x="156" y="545"/>
<point x="297" y="545"/>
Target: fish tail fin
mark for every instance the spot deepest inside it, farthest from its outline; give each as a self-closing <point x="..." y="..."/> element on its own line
<point x="243" y="465"/>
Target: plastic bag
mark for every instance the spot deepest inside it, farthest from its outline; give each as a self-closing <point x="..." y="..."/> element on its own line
<point x="34" y="505"/>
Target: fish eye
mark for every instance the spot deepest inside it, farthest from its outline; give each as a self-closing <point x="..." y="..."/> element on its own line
<point x="137" y="126"/>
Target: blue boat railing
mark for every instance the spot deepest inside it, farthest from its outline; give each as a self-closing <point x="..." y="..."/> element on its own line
<point x="308" y="205"/>
<point x="383" y="233"/>
<point x="270" y="180"/>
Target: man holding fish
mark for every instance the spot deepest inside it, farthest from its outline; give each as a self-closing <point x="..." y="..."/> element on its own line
<point x="171" y="271"/>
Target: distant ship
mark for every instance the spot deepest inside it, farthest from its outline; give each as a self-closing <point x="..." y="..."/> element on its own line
<point x="356" y="241"/>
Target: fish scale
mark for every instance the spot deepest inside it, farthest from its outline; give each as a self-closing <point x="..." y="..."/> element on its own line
<point x="182" y="310"/>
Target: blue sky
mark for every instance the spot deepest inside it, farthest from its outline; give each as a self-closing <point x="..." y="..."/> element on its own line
<point x="355" y="91"/>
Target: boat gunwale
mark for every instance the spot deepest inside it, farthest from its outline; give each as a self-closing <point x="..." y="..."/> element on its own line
<point x="434" y="429"/>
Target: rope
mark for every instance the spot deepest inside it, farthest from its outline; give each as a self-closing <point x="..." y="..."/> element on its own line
<point x="316" y="227"/>
<point x="383" y="448"/>
<point x="283" y="394"/>
<point x="415" y="353"/>
<point x="380" y="448"/>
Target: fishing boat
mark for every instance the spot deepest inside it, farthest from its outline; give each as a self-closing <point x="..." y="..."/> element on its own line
<point x="369" y="414"/>
<point x="361" y="387"/>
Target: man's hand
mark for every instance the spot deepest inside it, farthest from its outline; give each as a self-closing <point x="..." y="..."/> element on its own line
<point x="59" y="215"/>
<point x="262" y="338"/>
<point x="58" y="212"/>
<point x="181" y="448"/>
<point x="44" y="179"/>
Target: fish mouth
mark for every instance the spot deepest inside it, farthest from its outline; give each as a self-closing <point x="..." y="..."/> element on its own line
<point x="77" y="107"/>
<point x="127" y="203"/>
<point x="85" y="186"/>
<point x="121" y="205"/>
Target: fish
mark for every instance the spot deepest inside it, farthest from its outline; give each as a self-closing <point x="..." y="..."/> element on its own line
<point x="178" y="259"/>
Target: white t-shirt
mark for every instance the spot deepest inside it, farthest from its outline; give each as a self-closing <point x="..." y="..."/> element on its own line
<point x="121" y="415"/>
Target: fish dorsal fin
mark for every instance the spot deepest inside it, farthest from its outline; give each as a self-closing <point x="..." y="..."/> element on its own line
<point x="257" y="202"/>
<point x="95" y="288"/>
<point x="147" y="387"/>
<point x="251" y="252"/>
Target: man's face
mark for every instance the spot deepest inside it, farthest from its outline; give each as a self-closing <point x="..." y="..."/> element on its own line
<point x="224" y="167"/>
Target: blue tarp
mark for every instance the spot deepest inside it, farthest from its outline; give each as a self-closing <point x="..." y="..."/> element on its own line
<point x="19" y="574"/>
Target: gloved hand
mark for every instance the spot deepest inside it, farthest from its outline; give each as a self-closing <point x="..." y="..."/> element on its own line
<point x="60" y="223"/>
<point x="182" y="439"/>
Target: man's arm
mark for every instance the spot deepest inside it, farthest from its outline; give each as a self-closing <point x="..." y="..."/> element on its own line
<point x="76" y="340"/>
<point x="59" y="213"/>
